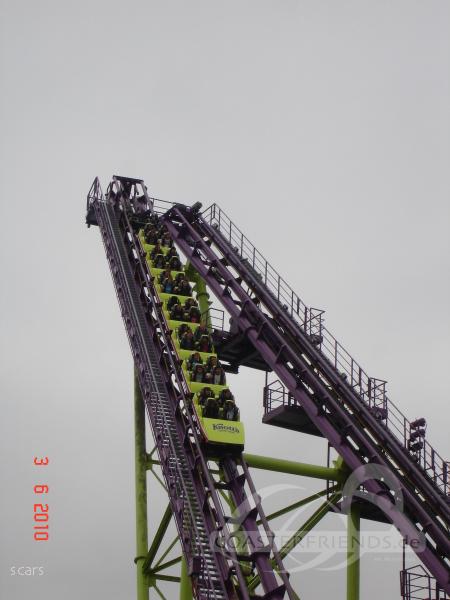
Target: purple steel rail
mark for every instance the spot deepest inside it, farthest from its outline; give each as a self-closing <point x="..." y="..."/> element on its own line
<point x="434" y="488"/>
<point x="416" y="584"/>
<point x="343" y="419"/>
<point x="309" y="320"/>
<point x="196" y="505"/>
<point x="371" y="391"/>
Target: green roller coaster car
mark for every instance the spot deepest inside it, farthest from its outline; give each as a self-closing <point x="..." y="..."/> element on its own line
<point x="220" y="436"/>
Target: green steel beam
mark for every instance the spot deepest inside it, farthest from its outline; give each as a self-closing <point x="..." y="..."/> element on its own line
<point x="171" y="578"/>
<point x="159" y="592"/>
<point x="294" y="468"/>
<point x="141" y="491"/>
<point x="152" y="452"/>
<point x="166" y="552"/>
<point x="156" y="543"/>
<point x="299" y="504"/>
<point x="158" y="479"/>
<point x="353" y="552"/>
<point x="309" y="524"/>
<point x="185" y="583"/>
<point x="300" y="533"/>
<point x="167" y="564"/>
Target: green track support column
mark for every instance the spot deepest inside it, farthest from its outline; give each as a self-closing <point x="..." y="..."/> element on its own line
<point x="185" y="583"/>
<point x="202" y="293"/>
<point x="353" y="552"/>
<point x="141" y="491"/>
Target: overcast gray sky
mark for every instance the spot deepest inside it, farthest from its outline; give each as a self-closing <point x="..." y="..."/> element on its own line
<point x="321" y="127"/>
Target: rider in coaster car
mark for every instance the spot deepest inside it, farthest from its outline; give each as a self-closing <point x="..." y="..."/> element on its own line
<point x="174" y="263"/>
<point x="148" y="228"/>
<point x="167" y="240"/>
<point x="183" y="287"/>
<point x="182" y="330"/>
<point x="224" y="396"/>
<point x="194" y="359"/>
<point x="159" y="262"/>
<point x="177" y="314"/>
<point x="168" y="285"/>
<point x="202" y="338"/>
<point x="163" y="275"/>
<point x="212" y="363"/>
<point x="187" y="341"/>
<point x="189" y="303"/>
<point x="230" y="411"/>
<point x="211" y="409"/>
<point x="201" y="331"/>
<point x="162" y="231"/>
<point x="156" y="250"/>
<point x="193" y="315"/>
<point x="172" y="301"/>
<point x="204" y="394"/>
<point x="198" y="374"/>
<point x="150" y="234"/>
<point x="172" y="252"/>
<point x="204" y="344"/>
<point x="216" y="376"/>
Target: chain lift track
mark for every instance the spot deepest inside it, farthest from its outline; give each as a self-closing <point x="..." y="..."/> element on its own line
<point x="316" y="384"/>
<point x="196" y="506"/>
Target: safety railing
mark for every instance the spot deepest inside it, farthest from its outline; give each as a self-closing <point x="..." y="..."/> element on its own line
<point x="275" y="395"/>
<point x="417" y="584"/>
<point x="95" y="194"/>
<point x="371" y="391"/>
<point x="161" y="206"/>
<point x="215" y="317"/>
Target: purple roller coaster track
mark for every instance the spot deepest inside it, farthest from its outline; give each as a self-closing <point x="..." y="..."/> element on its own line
<point x="320" y="389"/>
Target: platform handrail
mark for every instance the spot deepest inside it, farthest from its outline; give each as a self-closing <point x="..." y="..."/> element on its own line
<point x="310" y="321"/>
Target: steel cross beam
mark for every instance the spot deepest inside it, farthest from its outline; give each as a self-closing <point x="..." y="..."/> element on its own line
<point x="291" y="467"/>
<point x="302" y="502"/>
<point x="157" y="539"/>
<point x="295" y="374"/>
<point x="294" y="468"/>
